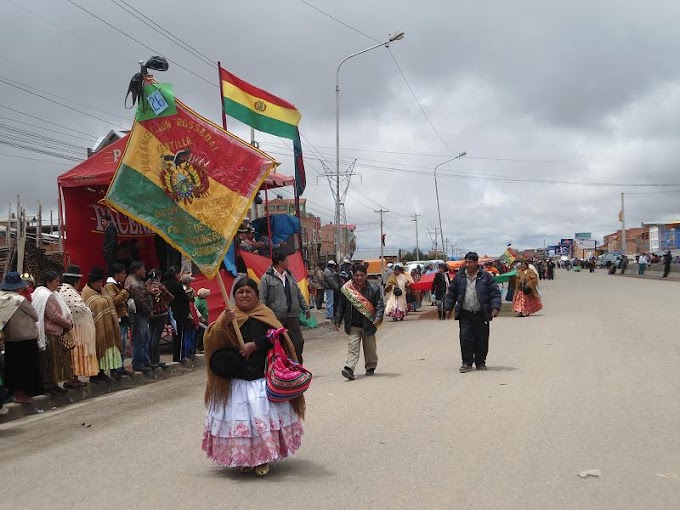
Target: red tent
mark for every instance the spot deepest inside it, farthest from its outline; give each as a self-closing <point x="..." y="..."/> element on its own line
<point x="81" y="189"/>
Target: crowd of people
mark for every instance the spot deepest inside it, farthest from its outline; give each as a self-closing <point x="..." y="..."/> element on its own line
<point x="74" y="329"/>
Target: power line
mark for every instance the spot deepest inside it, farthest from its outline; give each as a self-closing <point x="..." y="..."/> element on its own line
<point x="164" y="32"/>
<point x="46" y="129"/>
<point x="139" y="42"/>
<point x="47" y="121"/>
<point x="6" y="82"/>
<point x="415" y="97"/>
<point x="7" y="154"/>
<point x="19" y="84"/>
<point x="338" y="20"/>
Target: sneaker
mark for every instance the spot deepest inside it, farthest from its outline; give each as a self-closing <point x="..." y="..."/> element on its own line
<point x="465" y="367"/>
<point x="481" y="366"/>
<point x="162" y="364"/>
<point x="348" y="373"/>
<point x="370" y="371"/>
<point x="3" y="410"/>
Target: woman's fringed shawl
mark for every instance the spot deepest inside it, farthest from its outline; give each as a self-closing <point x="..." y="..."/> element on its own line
<point x="220" y="335"/>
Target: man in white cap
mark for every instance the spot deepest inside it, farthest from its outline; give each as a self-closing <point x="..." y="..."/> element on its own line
<point x="330" y="286"/>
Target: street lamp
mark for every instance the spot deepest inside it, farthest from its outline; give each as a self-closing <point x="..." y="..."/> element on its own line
<point x="436" y="189"/>
<point x="398" y="36"/>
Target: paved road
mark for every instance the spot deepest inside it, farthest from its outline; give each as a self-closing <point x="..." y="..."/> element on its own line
<point x="589" y="383"/>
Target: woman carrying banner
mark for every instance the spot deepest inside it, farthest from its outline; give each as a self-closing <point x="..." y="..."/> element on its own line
<point x="526" y="300"/>
<point x="243" y="428"/>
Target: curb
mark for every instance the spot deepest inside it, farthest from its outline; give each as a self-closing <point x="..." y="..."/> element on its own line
<point x="45" y="403"/>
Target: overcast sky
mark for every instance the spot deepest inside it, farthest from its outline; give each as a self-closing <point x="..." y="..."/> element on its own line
<point x="577" y="92"/>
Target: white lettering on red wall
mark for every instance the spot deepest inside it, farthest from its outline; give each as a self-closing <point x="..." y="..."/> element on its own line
<point x="125" y="226"/>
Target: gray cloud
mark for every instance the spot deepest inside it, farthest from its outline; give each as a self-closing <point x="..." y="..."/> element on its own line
<point x="595" y="83"/>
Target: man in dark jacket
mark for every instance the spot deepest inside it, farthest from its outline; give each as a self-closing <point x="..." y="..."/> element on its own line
<point x="180" y="312"/>
<point x="440" y="284"/>
<point x="476" y="300"/>
<point x="143" y="307"/>
<point x="280" y="292"/>
<point x="667" y="259"/>
<point x="361" y="308"/>
<point x="110" y="244"/>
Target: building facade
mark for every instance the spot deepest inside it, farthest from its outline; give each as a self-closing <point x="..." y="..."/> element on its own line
<point x="637" y="241"/>
<point x="663" y="236"/>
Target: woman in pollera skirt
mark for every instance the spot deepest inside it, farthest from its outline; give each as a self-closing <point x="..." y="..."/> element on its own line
<point x="243" y="428"/>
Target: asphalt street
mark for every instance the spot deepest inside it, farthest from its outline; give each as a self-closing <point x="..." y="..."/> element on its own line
<point x="591" y="382"/>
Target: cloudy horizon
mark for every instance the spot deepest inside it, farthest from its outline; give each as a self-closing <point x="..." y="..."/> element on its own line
<point x="559" y="107"/>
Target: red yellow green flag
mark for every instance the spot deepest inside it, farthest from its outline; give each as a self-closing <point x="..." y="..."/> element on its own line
<point x="257" y="265"/>
<point x="258" y="108"/>
<point x="187" y="179"/>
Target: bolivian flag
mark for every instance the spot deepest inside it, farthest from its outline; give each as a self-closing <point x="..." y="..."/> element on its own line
<point x="186" y="179"/>
<point x="257" y="265"/>
<point x="258" y="108"/>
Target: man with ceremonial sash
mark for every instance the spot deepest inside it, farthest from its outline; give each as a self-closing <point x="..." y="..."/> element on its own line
<point x="361" y="308"/>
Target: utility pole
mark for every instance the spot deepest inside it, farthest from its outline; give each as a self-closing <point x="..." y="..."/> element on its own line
<point x="382" y="245"/>
<point x="415" y="218"/>
<point x="622" y="219"/>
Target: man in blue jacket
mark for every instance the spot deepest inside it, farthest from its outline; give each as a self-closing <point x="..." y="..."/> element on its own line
<point x="476" y="300"/>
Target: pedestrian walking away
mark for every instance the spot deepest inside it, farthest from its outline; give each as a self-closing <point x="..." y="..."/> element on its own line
<point x="280" y="292"/>
<point x="330" y="286"/>
<point x="440" y="284"/>
<point x="361" y="309"/>
<point x="526" y="300"/>
<point x="667" y="259"/>
<point x="475" y="299"/>
<point x="243" y="428"/>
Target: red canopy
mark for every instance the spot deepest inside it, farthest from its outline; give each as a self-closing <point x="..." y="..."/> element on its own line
<point x="98" y="170"/>
<point x="81" y="189"/>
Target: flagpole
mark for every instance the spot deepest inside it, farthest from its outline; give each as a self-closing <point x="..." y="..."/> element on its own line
<point x="269" y="223"/>
<point x="223" y="288"/>
<point x="297" y="213"/>
<point x="219" y="76"/>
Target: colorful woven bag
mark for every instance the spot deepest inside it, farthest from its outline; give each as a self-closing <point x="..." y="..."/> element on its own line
<point x="286" y="378"/>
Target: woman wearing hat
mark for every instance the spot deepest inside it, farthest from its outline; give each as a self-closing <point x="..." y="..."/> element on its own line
<point x="243" y="428"/>
<point x="107" y="332"/>
<point x="54" y="319"/>
<point x="84" y="354"/>
<point x="395" y="290"/>
<point x="18" y="321"/>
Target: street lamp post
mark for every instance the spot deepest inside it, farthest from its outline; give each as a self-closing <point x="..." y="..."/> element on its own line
<point x="436" y="189"/>
<point x="395" y="37"/>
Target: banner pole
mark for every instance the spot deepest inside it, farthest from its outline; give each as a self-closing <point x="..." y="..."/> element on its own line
<point x="225" y="297"/>
<point x="219" y="77"/>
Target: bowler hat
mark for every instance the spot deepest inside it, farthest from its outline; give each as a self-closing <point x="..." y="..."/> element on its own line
<point x="96" y="274"/>
<point x="13" y="281"/>
<point x="73" y="271"/>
